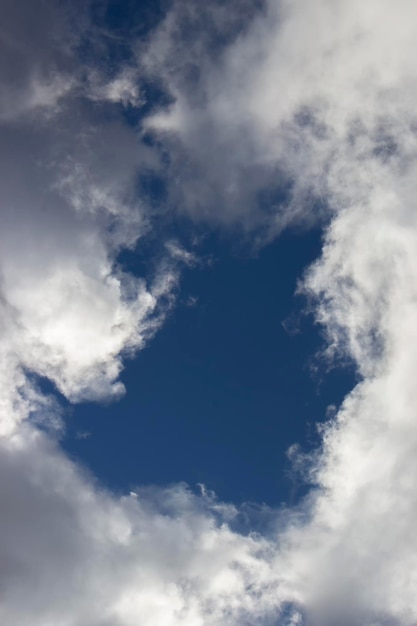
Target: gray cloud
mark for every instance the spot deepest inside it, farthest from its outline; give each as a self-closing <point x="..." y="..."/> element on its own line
<point x="37" y="62"/>
<point x="69" y="203"/>
<point x="74" y="554"/>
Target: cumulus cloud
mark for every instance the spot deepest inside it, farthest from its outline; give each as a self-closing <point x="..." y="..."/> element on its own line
<point x="260" y="127"/>
<point x="292" y="112"/>
<point x="69" y="204"/>
<point x="79" y="556"/>
<point x="322" y="96"/>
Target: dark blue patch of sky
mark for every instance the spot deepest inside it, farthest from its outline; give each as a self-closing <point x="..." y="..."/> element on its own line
<point x="224" y="388"/>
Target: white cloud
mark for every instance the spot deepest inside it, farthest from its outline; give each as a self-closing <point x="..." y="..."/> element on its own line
<point x="323" y="95"/>
<point x="297" y="99"/>
<point x="122" y="88"/>
<point x="69" y="203"/>
<point x="79" y="556"/>
<point x="69" y="311"/>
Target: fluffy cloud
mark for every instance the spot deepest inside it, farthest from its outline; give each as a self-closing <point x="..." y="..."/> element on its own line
<point x="69" y="204"/>
<point x="36" y="66"/>
<point x="305" y="110"/>
<point x="73" y="554"/>
<point x="279" y="123"/>
<point x="322" y="95"/>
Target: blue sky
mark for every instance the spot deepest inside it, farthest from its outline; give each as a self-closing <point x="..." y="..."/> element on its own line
<point x="208" y="347"/>
<point x="223" y="390"/>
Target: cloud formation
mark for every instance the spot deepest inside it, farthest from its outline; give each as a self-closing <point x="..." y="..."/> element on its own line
<point x="80" y="556"/>
<point x="69" y="204"/>
<point x="289" y="109"/>
<point x="306" y="112"/>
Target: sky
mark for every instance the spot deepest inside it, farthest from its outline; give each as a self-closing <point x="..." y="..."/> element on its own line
<point x="208" y="346"/>
<point x="215" y="399"/>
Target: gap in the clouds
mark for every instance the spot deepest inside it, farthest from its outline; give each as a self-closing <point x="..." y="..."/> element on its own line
<point x="122" y="22"/>
<point x="128" y="18"/>
<point x="224" y="388"/>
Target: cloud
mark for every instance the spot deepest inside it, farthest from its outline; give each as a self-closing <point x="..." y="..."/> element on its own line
<point x="321" y="97"/>
<point x="79" y="555"/>
<point x="36" y="67"/>
<point x="269" y="128"/>
<point x="299" y="112"/>
<point x="69" y="204"/>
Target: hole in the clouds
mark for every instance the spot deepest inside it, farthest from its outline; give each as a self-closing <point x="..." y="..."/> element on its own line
<point x="48" y="407"/>
<point x="127" y="19"/>
<point x="45" y="386"/>
<point x="218" y="376"/>
<point x="153" y="188"/>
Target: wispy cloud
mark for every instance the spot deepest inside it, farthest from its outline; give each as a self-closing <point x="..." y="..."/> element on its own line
<point x="78" y="555"/>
